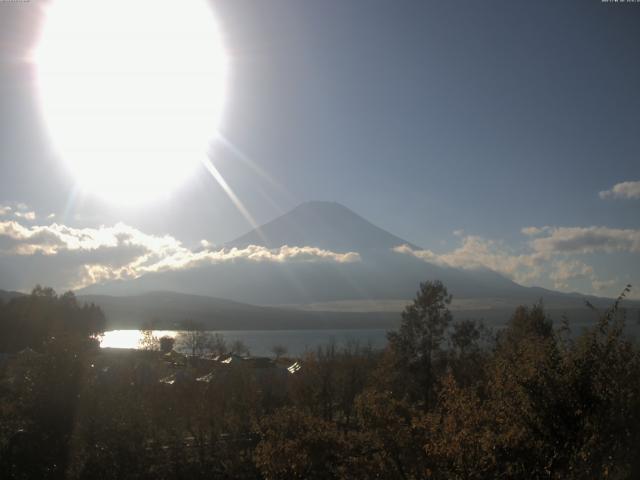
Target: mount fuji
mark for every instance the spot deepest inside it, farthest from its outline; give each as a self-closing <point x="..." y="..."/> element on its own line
<point x="381" y="279"/>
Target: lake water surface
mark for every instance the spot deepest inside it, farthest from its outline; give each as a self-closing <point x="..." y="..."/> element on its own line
<point x="260" y="342"/>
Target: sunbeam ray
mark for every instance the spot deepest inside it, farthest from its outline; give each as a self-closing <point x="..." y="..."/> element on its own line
<point x="231" y="194"/>
<point x="70" y="204"/>
<point x="240" y="155"/>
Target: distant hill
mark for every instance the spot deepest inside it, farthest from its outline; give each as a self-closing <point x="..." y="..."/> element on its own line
<point x="5" y="295"/>
<point x="167" y="310"/>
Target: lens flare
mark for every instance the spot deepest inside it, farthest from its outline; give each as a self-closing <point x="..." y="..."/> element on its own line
<point x="131" y="92"/>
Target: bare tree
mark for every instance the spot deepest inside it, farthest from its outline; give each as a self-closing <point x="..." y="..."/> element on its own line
<point x="148" y="341"/>
<point x="167" y="343"/>
<point x="195" y="339"/>
<point x="200" y="342"/>
<point x="279" y="351"/>
<point x="216" y="344"/>
<point x="238" y="347"/>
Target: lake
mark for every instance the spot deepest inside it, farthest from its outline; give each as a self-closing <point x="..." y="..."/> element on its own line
<point x="260" y="342"/>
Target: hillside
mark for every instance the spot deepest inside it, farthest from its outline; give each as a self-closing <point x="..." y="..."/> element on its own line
<point x="5" y="295"/>
<point x="167" y="310"/>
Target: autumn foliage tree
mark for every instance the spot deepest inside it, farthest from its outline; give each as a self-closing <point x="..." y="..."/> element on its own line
<point x="31" y="320"/>
<point x="446" y="400"/>
<point x="546" y="408"/>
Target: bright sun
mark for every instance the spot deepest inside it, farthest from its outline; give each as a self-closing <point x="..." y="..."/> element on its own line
<point x="131" y="91"/>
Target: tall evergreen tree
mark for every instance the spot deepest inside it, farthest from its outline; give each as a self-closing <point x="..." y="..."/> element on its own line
<point x="415" y="345"/>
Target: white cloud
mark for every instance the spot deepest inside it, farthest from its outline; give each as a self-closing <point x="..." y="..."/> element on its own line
<point x="18" y="210"/>
<point x="581" y="240"/>
<point x="533" y="231"/>
<point x="26" y="215"/>
<point x="600" y="285"/>
<point x="565" y="270"/>
<point x="121" y="251"/>
<point x="477" y="252"/>
<point x="628" y="190"/>
<point x="547" y="257"/>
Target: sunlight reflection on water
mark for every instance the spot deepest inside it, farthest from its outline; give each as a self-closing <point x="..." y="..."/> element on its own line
<point x="129" y="338"/>
<point x="261" y="342"/>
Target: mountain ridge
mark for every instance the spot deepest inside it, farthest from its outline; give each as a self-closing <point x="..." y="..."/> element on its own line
<point x="321" y="224"/>
<point x="168" y="310"/>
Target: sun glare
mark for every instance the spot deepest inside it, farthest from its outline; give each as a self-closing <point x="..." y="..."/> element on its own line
<point x="130" y="338"/>
<point x="131" y="91"/>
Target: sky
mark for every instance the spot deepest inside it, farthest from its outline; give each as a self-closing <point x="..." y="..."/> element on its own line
<point x="499" y="132"/>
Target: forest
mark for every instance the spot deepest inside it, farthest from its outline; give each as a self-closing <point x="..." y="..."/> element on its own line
<point x="445" y="399"/>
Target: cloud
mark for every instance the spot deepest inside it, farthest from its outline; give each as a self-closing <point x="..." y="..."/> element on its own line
<point x="51" y="239"/>
<point x="19" y="210"/>
<point x="26" y="215"/>
<point x="477" y="252"/>
<point x="548" y="255"/>
<point x="627" y="190"/>
<point x="564" y="270"/>
<point x="124" y="252"/>
<point x="533" y="231"/>
<point x="581" y="240"/>
<point x="600" y="285"/>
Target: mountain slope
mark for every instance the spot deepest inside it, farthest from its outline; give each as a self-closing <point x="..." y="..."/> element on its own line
<point x="326" y="225"/>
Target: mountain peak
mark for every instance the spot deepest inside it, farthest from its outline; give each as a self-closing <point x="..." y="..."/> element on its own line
<point x="322" y="224"/>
